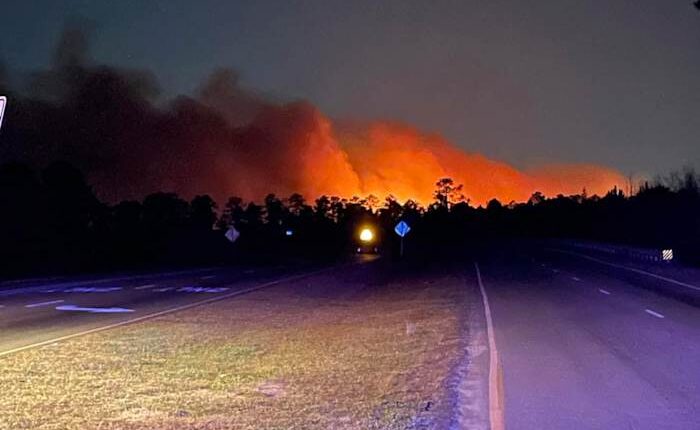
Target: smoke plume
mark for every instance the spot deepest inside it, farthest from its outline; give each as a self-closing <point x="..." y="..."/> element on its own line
<point x="227" y="140"/>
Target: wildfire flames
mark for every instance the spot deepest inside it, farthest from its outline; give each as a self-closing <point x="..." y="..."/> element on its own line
<point x="315" y="157"/>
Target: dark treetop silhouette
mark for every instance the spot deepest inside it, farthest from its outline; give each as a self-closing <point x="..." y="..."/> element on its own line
<point x="52" y="222"/>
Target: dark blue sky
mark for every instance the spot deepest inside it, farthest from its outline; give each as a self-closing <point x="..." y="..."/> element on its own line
<point x="606" y="81"/>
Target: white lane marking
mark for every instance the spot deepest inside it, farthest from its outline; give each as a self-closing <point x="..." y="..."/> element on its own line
<point x="23" y="290"/>
<point x="208" y="277"/>
<point x="202" y="290"/>
<point x="112" y="310"/>
<point x="92" y="289"/>
<point x="162" y="290"/>
<point x="36" y="305"/>
<point x="169" y="311"/>
<point x="656" y="314"/>
<point x="145" y="287"/>
<point x="555" y="270"/>
<point x="606" y="292"/>
<point x="495" y="407"/>
<point x="576" y="279"/>
<point x="631" y="269"/>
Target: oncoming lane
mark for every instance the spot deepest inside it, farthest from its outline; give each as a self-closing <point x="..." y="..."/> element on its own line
<point x="44" y="313"/>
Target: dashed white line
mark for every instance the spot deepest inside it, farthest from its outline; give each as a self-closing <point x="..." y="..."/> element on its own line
<point x="145" y="287"/>
<point x="576" y="279"/>
<point x="208" y="277"/>
<point x="656" y="314"/>
<point x="606" y="292"/>
<point x="631" y="269"/>
<point x="36" y="305"/>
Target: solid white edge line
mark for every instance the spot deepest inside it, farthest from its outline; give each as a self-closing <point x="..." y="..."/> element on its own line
<point x="656" y="314"/>
<point x="36" y="305"/>
<point x="632" y="269"/>
<point x="164" y="312"/>
<point x="496" y="411"/>
<point x="606" y="292"/>
<point x="144" y="287"/>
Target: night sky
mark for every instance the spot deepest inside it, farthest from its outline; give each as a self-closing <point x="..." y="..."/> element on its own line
<point x="610" y="82"/>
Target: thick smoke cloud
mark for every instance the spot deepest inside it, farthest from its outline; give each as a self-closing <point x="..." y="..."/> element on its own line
<point x="227" y="140"/>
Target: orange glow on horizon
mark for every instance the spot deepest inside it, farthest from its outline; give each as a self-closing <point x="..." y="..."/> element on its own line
<point x="296" y="149"/>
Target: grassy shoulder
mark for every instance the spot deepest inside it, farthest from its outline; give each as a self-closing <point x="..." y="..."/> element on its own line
<point x="316" y="353"/>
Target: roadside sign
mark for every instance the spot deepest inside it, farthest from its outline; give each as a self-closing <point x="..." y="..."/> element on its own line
<point x="232" y="234"/>
<point x="667" y="254"/>
<point x="3" y="102"/>
<point x="402" y="229"/>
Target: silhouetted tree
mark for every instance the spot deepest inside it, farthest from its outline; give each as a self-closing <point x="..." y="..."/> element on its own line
<point x="232" y="214"/>
<point x="203" y="212"/>
<point x="275" y="210"/>
<point x="164" y="213"/>
<point x="494" y="205"/>
<point x="536" y="198"/>
<point x="297" y="204"/>
<point x="447" y="193"/>
<point x="322" y="209"/>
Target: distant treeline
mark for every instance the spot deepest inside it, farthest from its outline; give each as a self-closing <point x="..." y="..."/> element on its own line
<point x="51" y="221"/>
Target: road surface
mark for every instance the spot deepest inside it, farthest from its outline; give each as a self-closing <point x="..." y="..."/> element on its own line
<point x="39" y="311"/>
<point x="581" y="344"/>
<point x="584" y="345"/>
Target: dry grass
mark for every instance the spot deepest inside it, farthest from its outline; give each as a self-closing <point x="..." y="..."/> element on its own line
<point x="288" y="357"/>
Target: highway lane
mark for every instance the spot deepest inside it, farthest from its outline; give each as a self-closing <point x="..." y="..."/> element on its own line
<point x="41" y="311"/>
<point x="588" y="346"/>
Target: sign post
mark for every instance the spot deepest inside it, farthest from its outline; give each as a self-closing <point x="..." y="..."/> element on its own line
<point x="402" y="230"/>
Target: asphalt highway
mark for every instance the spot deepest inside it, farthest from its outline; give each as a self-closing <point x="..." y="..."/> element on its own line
<point x="38" y="311"/>
<point x="588" y="345"/>
<point x="580" y="343"/>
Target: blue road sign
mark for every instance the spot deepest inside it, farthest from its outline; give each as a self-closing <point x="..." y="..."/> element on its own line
<point x="402" y="229"/>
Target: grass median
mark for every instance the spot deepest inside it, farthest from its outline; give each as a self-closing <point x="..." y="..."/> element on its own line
<point x="314" y="353"/>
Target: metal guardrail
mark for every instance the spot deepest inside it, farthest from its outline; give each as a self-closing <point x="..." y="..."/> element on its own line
<point x="642" y="254"/>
